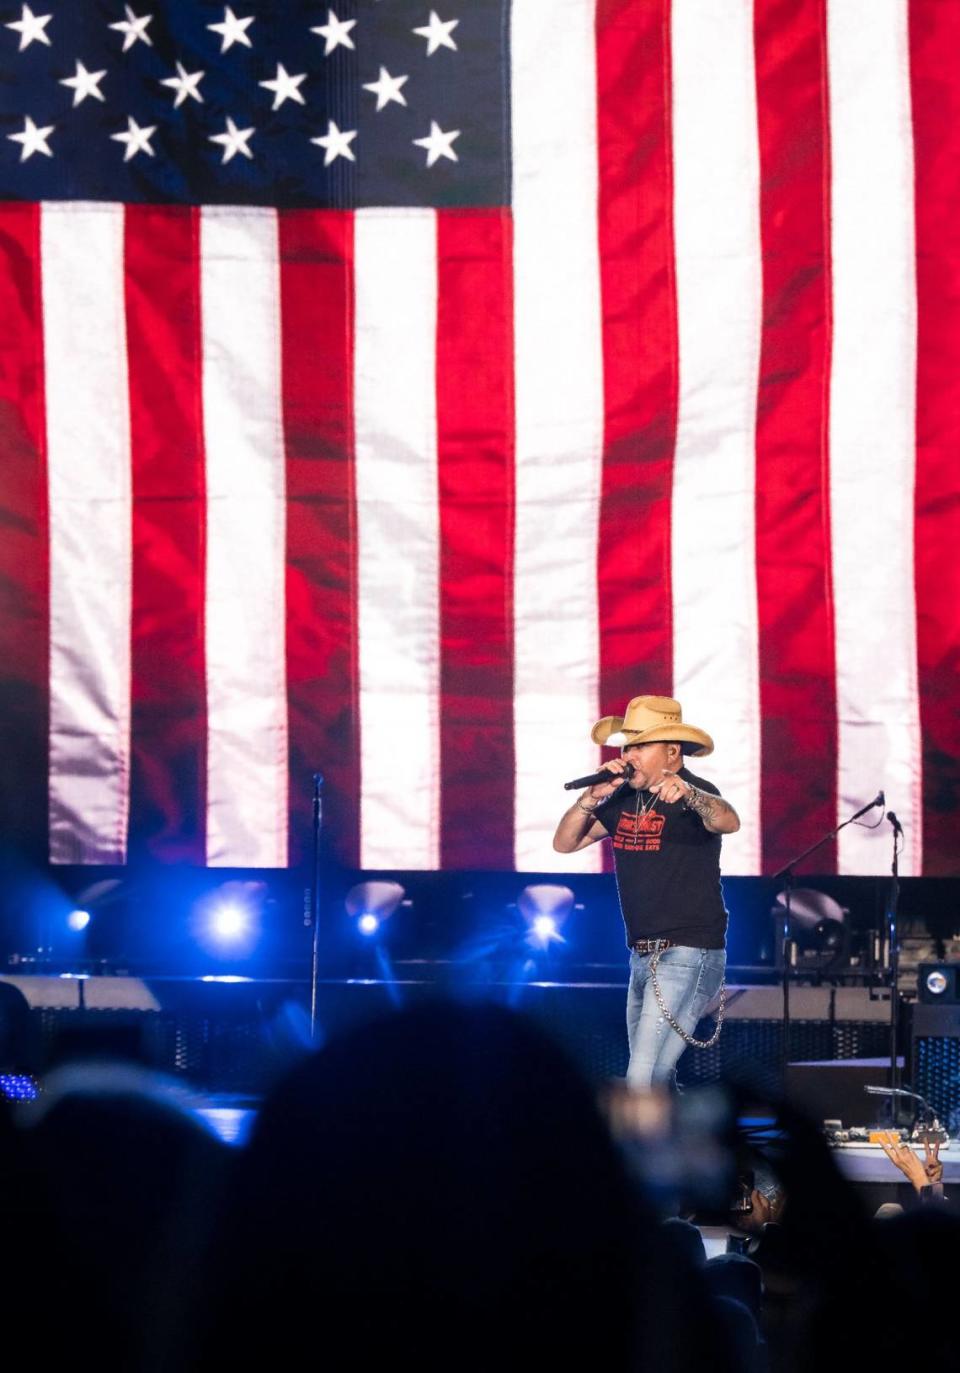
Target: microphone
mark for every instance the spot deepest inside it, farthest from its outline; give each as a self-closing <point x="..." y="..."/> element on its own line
<point x="597" y="779"/>
<point x="878" y="800"/>
<point x="897" y="827"/>
<point x="900" y="1092"/>
<point x="895" y="1091"/>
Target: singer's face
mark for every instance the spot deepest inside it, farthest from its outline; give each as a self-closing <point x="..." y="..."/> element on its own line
<point x="649" y="761"/>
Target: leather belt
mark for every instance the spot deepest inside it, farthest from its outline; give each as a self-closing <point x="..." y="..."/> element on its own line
<point x="651" y="945"/>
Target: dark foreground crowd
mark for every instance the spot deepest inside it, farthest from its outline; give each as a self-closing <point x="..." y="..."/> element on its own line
<point x="441" y="1190"/>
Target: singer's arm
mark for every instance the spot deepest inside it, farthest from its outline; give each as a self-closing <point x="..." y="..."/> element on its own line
<point x="717" y="815"/>
<point x="577" y="829"/>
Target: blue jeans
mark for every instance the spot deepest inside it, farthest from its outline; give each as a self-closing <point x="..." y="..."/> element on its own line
<point x="689" y="980"/>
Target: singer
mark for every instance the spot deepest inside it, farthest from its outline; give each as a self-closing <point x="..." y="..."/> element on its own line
<point x="666" y="826"/>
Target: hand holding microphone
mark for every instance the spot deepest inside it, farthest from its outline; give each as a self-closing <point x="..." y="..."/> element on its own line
<point x="604" y="782"/>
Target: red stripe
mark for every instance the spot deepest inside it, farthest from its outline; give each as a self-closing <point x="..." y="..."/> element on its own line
<point x="475" y="487"/>
<point x="24" y="584"/>
<point x="797" y="692"/>
<point x="935" y="75"/>
<point x="168" y="696"/>
<point x="640" y="365"/>
<point x="316" y="284"/>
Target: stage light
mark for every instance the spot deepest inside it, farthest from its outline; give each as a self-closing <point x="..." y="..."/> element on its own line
<point x="18" y="1087"/>
<point x="229" y="921"/>
<point x="371" y="903"/>
<point x="68" y="944"/>
<point x="545" y="927"/>
<point x="545" y="907"/>
<point x="819" y="927"/>
<point x="936" y="982"/>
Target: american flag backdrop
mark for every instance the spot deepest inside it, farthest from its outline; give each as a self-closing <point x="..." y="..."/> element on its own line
<point x="392" y="391"/>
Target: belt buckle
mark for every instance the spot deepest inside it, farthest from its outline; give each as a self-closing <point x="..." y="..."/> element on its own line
<point x="651" y="945"/>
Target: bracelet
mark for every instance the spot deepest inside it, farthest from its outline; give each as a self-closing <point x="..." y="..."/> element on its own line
<point x="587" y="810"/>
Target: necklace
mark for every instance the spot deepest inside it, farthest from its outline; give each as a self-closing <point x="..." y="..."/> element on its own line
<point x="645" y="808"/>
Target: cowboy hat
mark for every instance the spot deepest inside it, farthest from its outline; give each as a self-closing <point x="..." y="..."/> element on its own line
<point x="648" y="719"/>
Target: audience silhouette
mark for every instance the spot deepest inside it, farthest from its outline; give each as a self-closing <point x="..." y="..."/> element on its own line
<point x="440" y="1186"/>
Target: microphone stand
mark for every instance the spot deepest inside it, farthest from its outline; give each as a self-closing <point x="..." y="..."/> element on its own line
<point x="930" y="1120"/>
<point x="787" y="946"/>
<point x="893" y="945"/>
<point x="315" y="900"/>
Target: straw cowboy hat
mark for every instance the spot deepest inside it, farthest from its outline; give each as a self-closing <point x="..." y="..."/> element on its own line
<point x="648" y="719"/>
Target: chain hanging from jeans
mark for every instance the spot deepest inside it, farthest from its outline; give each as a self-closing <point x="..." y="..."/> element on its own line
<point x="689" y="1039"/>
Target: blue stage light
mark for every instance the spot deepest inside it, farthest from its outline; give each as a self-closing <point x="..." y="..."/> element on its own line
<point x="370" y="904"/>
<point x="545" y="927"/>
<point x="18" y="1087"/>
<point x="78" y="920"/>
<point x="545" y="907"/>
<point x="229" y="921"/>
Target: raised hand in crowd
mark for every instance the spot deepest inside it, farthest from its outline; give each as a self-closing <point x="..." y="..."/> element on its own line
<point x="931" y="1160"/>
<point x="920" y="1172"/>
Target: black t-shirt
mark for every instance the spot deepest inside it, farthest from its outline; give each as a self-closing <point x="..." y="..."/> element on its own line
<point x="668" y="867"/>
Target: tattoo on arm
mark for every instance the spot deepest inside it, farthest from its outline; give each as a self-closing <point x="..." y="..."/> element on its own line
<point x="712" y="810"/>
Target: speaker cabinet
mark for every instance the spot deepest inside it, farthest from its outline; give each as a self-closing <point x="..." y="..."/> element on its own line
<point x="935" y="1059"/>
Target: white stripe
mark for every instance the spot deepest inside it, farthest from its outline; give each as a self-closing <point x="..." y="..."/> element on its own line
<point x="245" y="616"/>
<point x="88" y="456"/>
<point x="397" y="537"/>
<point x="559" y="417"/>
<point x="719" y="304"/>
<point x="872" y="434"/>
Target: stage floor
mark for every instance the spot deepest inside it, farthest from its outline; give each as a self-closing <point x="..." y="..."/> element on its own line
<point x="226" y="1036"/>
<point x="868" y="1163"/>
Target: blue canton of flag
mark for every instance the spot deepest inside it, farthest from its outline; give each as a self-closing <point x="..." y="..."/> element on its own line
<point x="387" y="102"/>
